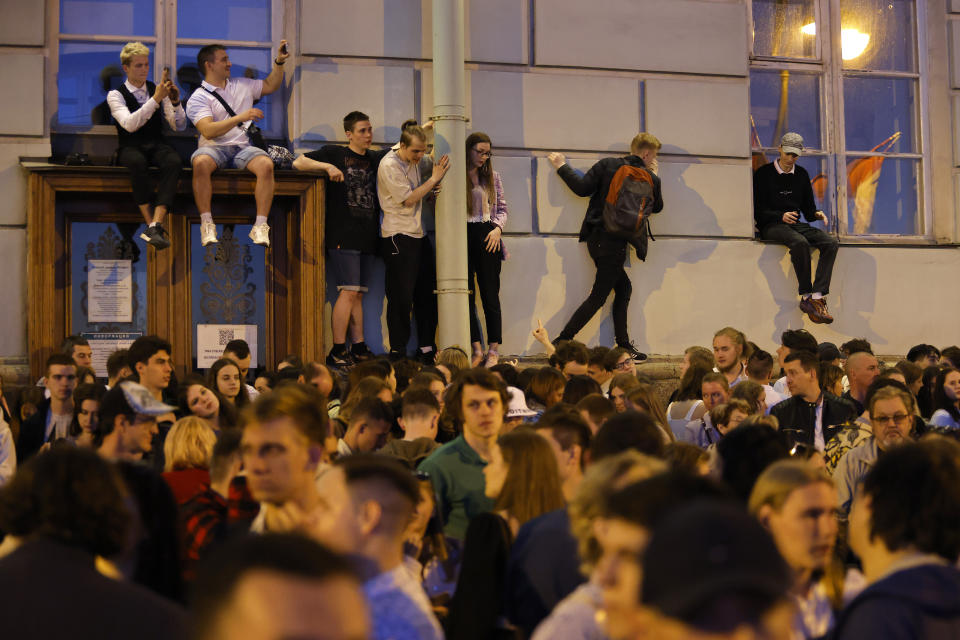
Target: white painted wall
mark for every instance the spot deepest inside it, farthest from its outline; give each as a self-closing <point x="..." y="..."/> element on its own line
<point x="559" y="74"/>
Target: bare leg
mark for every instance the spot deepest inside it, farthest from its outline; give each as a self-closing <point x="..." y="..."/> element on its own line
<point x="159" y="213"/>
<point x="203" y="167"/>
<point x="342" y="310"/>
<point x="477" y="357"/>
<point x="262" y="167"/>
<point x="145" y="212"/>
<point x="356" y="318"/>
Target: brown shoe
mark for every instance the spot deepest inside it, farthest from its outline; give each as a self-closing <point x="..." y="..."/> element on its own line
<point x="810" y="307"/>
<point x="825" y="316"/>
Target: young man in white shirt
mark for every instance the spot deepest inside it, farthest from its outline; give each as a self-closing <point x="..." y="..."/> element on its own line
<point x="407" y="253"/>
<point x="139" y="109"/>
<point x="224" y="142"/>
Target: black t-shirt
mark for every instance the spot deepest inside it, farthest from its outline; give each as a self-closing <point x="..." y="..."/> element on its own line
<point x="353" y="211"/>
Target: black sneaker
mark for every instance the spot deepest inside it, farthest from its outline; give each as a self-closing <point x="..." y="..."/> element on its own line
<point x="428" y="358"/>
<point x="157" y="236"/>
<point x="361" y="354"/>
<point x="340" y="360"/>
<point x="638" y="356"/>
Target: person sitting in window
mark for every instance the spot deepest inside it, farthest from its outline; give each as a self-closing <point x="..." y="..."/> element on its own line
<point x="139" y="109"/>
<point x="781" y="194"/>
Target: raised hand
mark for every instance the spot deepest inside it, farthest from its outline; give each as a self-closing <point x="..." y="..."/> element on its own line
<point x="557" y="159"/>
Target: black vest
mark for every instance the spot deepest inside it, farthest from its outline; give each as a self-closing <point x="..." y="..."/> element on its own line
<point x="152" y="130"/>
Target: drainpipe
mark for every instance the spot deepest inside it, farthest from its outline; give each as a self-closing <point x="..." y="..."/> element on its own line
<point x="449" y="80"/>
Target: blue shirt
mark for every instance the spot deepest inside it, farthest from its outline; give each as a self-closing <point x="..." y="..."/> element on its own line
<point x="399" y="608"/>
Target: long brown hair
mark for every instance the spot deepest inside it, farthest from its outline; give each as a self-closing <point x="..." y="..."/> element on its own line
<point x="532" y="486"/>
<point x="644" y="398"/>
<point x="484" y="172"/>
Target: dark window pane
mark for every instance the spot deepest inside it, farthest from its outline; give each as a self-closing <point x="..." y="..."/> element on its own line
<point x="882" y="196"/>
<point x="227" y="281"/>
<point x="107" y="241"/>
<point x="777" y="108"/>
<point x="214" y="20"/>
<point x="878" y="34"/>
<point x="107" y="17"/>
<point x="784" y="28"/>
<point x="250" y="63"/>
<point x="87" y="72"/>
<point x="876" y="109"/>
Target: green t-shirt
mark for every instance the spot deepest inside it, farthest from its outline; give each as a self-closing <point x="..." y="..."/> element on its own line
<point x="456" y="471"/>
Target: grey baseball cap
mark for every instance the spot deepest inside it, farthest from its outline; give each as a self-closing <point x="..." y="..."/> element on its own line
<point x="792" y="143"/>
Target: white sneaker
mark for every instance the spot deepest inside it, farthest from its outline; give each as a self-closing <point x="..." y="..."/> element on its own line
<point x="260" y="234"/>
<point x="208" y="233"/>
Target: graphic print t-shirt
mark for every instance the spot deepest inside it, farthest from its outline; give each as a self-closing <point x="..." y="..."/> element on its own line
<point x="353" y="211"/>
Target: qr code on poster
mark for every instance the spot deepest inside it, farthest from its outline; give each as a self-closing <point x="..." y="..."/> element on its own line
<point x="226" y="335"/>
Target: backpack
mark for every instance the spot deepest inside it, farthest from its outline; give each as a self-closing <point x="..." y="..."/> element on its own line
<point x="628" y="205"/>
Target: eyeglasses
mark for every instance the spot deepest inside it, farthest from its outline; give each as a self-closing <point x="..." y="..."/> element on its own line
<point x="899" y="419"/>
<point x="483" y="154"/>
<point x="624" y="364"/>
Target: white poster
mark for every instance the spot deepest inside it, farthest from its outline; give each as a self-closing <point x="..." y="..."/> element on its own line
<point x="103" y="344"/>
<point x="212" y="338"/>
<point x="109" y="291"/>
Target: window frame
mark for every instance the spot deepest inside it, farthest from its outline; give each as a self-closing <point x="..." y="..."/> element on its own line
<point x="165" y="43"/>
<point x="829" y="67"/>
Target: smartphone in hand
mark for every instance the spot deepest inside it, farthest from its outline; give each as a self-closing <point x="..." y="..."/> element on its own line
<point x="166" y="75"/>
<point x="283" y="48"/>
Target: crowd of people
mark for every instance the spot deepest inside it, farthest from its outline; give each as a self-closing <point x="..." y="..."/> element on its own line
<point x="400" y="499"/>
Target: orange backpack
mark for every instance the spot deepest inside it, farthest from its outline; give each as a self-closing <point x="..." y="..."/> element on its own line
<point x="628" y="205"/>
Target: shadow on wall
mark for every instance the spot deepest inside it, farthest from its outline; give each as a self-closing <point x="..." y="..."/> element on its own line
<point x="852" y="299"/>
<point x="649" y="277"/>
<point x="854" y="293"/>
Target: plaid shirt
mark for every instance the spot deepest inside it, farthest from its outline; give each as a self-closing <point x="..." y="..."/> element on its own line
<point x="204" y="522"/>
<point x="205" y="518"/>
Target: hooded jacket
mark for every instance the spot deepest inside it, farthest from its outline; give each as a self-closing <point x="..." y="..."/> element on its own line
<point x="920" y="602"/>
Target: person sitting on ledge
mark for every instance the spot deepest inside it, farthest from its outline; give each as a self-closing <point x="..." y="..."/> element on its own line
<point x="781" y="193"/>
<point x="139" y="109"/>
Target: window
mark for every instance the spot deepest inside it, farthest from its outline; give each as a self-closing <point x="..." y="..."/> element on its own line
<point x="92" y="33"/>
<point x="852" y="64"/>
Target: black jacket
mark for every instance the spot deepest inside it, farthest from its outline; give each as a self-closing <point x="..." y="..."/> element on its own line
<point x="51" y="590"/>
<point x="32" y="432"/>
<point x="797" y="413"/>
<point x="595" y="183"/>
<point x="775" y="193"/>
<point x="922" y="602"/>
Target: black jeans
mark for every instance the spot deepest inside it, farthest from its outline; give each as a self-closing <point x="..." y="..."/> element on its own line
<point x="800" y="239"/>
<point x="137" y="159"/>
<point x="485" y="265"/>
<point x="609" y="254"/>
<point x="410" y="284"/>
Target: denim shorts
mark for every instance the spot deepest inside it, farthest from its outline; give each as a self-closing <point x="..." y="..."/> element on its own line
<point x="351" y="269"/>
<point x="230" y="156"/>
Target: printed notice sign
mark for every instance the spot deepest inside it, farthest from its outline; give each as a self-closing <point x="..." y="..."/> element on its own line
<point x="212" y="338"/>
<point x="103" y="344"/>
<point x="109" y="291"/>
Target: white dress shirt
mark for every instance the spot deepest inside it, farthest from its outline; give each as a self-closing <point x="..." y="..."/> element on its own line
<point x="175" y="116"/>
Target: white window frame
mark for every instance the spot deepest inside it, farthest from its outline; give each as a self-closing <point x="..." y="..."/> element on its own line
<point x="165" y="43"/>
<point x="829" y="67"/>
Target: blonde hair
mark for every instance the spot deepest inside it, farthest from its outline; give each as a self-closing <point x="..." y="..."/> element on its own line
<point x="455" y="356"/>
<point x="601" y="479"/>
<point x="189" y="445"/>
<point x="782" y="478"/>
<point x="644" y="140"/>
<point x="131" y="50"/>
